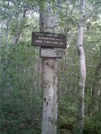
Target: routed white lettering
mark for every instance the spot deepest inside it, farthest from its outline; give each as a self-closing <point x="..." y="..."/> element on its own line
<point x="38" y="41"/>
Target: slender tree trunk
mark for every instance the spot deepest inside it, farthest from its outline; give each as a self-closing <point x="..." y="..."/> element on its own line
<point x="1" y="29"/>
<point x="96" y="91"/>
<point x="7" y="26"/>
<point x="1" y="37"/>
<point x="82" y="72"/>
<point x="18" y="32"/>
<point x="2" y="59"/>
<point x="7" y="31"/>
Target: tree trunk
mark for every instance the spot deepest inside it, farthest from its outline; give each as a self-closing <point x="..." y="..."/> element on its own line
<point x="50" y="96"/>
<point x="50" y="90"/>
<point x="7" y="31"/>
<point x="1" y="26"/>
<point x="49" y="72"/>
<point x="96" y="91"/>
<point x="7" y="26"/>
<point x="18" y="32"/>
<point x="82" y="73"/>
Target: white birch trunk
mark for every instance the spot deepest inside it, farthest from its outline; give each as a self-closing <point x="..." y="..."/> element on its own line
<point x="7" y="26"/>
<point x="50" y="96"/>
<point x="82" y="73"/>
<point x="49" y="75"/>
<point x="1" y="27"/>
<point x="1" y="23"/>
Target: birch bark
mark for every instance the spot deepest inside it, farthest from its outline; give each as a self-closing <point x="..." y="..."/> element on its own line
<point x="50" y="96"/>
<point x="1" y="27"/>
<point x="49" y="76"/>
<point x="82" y="71"/>
<point x="8" y="20"/>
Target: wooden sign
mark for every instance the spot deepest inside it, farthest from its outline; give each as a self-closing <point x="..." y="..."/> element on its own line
<point x="48" y="40"/>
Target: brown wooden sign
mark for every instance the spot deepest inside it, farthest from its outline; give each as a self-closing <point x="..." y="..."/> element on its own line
<point x="48" y="40"/>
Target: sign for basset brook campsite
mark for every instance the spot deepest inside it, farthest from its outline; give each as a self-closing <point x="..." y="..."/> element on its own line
<point x="48" y="40"/>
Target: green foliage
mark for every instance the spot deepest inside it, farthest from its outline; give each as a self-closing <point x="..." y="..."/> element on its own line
<point x="20" y="110"/>
<point x="20" y="65"/>
<point x="93" y="123"/>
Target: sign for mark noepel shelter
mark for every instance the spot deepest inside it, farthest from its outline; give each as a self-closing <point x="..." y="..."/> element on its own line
<point x="48" y="40"/>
